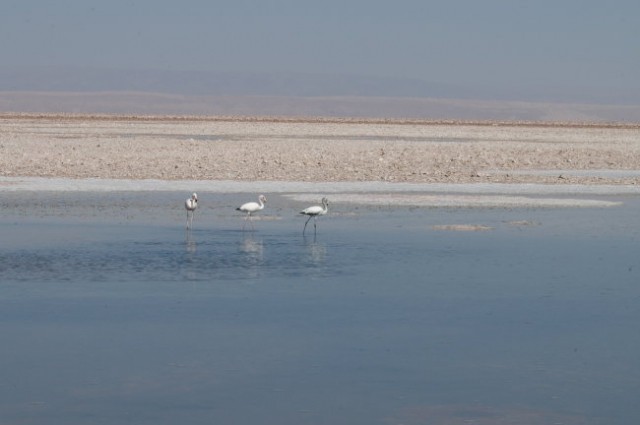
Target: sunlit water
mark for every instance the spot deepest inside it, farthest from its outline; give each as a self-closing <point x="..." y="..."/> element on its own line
<point x="111" y="313"/>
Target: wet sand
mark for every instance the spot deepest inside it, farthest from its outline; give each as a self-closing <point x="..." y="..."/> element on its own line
<point x="266" y="149"/>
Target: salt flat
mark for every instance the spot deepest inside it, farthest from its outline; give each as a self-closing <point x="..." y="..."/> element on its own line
<point x="517" y="163"/>
<point x="315" y="149"/>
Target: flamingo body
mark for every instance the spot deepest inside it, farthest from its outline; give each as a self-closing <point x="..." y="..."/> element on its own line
<point x="314" y="212"/>
<point x="252" y="207"/>
<point x="190" y="205"/>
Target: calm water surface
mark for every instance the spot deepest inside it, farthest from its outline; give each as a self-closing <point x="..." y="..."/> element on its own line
<point x="111" y="313"/>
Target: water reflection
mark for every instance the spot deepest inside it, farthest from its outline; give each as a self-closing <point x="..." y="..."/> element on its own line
<point x="189" y="242"/>
<point x="190" y="263"/>
<point x="316" y="251"/>
<point x="252" y="248"/>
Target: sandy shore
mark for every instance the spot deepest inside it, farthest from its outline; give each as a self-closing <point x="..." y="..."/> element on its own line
<point x="317" y="150"/>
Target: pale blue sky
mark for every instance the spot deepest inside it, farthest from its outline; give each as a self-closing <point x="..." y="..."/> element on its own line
<point x="556" y="43"/>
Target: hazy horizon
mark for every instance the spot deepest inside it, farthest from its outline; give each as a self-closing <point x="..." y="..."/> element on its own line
<point x="221" y="83"/>
<point x="574" y="51"/>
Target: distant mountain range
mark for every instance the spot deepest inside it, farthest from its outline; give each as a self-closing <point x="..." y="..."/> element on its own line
<point x="216" y="83"/>
<point x="225" y="93"/>
<point x="293" y="84"/>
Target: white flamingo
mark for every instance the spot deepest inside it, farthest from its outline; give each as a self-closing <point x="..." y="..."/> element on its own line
<point x="314" y="212"/>
<point x="252" y="207"/>
<point x="190" y="205"/>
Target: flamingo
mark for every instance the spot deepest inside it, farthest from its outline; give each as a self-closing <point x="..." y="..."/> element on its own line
<point x="190" y="205"/>
<point x="252" y="207"/>
<point x="314" y="212"/>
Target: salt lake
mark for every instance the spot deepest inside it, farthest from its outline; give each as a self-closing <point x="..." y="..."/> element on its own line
<point x="112" y="312"/>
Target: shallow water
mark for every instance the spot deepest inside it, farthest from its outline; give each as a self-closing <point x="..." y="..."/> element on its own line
<point x="110" y="312"/>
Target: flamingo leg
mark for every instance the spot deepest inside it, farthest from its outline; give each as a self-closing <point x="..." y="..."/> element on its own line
<point x="248" y="218"/>
<point x="305" y="224"/>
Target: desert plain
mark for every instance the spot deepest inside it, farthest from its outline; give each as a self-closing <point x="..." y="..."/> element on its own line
<point x="317" y="149"/>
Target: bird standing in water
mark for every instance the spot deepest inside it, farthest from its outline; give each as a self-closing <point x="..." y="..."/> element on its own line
<point x="190" y="205"/>
<point x="252" y="207"/>
<point x="314" y="212"/>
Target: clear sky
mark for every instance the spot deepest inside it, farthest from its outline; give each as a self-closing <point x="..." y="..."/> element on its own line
<point x="581" y="43"/>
